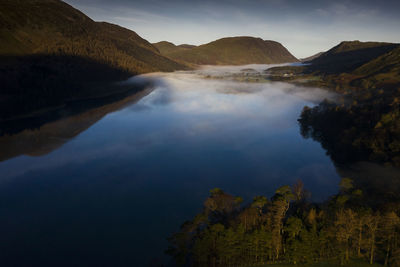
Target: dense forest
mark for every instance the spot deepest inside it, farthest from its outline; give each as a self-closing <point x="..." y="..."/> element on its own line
<point x="288" y="229"/>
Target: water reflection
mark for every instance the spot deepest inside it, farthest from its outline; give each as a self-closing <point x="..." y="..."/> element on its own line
<point x="127" y="179"/>
<point x="53" y="130"/>
<point x="379" y="182"/>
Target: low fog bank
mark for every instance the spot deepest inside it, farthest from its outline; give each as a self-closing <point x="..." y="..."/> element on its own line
<point x="230" y="70"/>
<point x="233" y="80"/>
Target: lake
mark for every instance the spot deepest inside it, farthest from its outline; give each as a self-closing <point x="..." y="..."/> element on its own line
<point x="108" y="184"/>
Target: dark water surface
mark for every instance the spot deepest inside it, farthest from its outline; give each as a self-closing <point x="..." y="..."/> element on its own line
<point x="107" y="186"/>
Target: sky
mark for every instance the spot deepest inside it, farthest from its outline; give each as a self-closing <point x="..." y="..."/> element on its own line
<point x="304" y="27"/>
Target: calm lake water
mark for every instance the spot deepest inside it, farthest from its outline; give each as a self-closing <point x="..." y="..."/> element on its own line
<point x="108" y="185"/>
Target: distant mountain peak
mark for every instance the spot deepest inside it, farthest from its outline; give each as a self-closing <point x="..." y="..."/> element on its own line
<point x="238" y="50"/>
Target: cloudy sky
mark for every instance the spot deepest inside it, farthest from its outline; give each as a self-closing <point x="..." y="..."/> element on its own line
<point x="304" y="27"/>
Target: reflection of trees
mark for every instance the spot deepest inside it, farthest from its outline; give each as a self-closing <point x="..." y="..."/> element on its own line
<point x="369" y="131"/>
<point x="325" y="124"/>
<point x="45" y="133"/>
<point x="30" y="84"/>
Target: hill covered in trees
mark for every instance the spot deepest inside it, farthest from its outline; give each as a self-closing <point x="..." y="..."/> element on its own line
<point x="229" y="51"/>
<point x="51" y="54"/>
<point x="367" y="119"/>
<point x="288" y="229"/>
<point x="54" y="27"/>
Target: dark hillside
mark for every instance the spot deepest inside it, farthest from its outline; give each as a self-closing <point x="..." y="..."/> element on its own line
<point x="348" y="56"/>
<point x="54" y="27"/>
<point x="51" y="54"/>
<point x="307" y="59"/>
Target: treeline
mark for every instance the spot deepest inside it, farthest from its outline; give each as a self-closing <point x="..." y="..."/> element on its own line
<point x="366" y="129"/>
<point x="288" y="229"/>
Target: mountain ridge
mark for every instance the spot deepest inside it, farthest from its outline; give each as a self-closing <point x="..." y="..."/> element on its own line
<point x="54" y="27"/>
<point x="239" y="50"/>
<point x="310" y="58"/>
<point x="349" y="55"/>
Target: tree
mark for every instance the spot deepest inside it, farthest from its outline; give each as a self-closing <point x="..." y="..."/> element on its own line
<point x="390" y="222"/>
<point x="292" y="229"/>
<point x="372" y="224"/>
<point x="280" y="205"/>
<point x="209" y="247"/>
<point x="346" y="185"/>
<point x="298" y="191"/>
<point x="360" y="225"/>
<point x="220" y="204"/>
<point x="345" y="227"/>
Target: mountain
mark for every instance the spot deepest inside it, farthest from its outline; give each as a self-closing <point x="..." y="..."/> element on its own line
<point x="167" y="48"/>
<point x="187" y="46"/>
<point x="52" y="54"/>
<point x="54" y="27"/>
<point x="350" y="63"/>
<point x="383" y="71"/>
<point x="307" y="59"/>
<point x="229" y="51"/>
<point x="348" y="56"/>
<point x="360" y="65"/>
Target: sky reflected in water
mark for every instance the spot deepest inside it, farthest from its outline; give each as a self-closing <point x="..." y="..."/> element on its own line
<point x="114" y="193"/>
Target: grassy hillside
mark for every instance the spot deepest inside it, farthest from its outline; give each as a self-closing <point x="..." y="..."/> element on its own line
<point x="187" y="46"/>
<point x="167" y="48"/>
<point x="54" y="27"/>
<point x="229" y="51"/>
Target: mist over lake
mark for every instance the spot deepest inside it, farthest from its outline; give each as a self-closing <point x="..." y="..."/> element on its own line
<point x="123" y="176"/>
